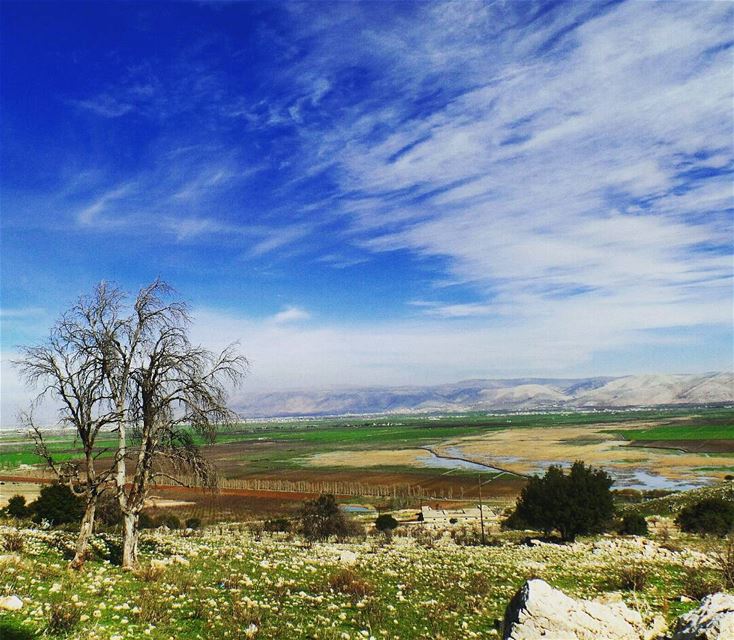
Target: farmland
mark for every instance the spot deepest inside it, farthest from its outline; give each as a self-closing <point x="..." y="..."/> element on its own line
<point x="414" y="455"/>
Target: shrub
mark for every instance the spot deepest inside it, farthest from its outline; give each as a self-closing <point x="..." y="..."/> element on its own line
<point x="108" y="510"/>
<point x="469" y="537"/>
<point x="57" y="504"/>
<point x="170" y="521"/>
<point x="17" y="508"/>
<point x="576" y="503"/>
<point x="282" y="525"/>
<point x="352" y="529"/>
<point x="346" y="581"/>
<point x="245" y="613"/>
<point x="724" y="560"/>
<point x="62" y="618"/>
<point x="322" y="518"/>
<point x="698" y="584"/>
<point x="713" y="516"/>
<point x="385" y="522"/>
<point x="145" y="521"/>
<point x="153" y="605"/>
<point x="193" y="523"/>
<point x="13" y="542"/>
<point x="150" y="572"/>
<point x="628" y="495"/>
<point x="634" y="524"/>
<point x="633" y="577"/>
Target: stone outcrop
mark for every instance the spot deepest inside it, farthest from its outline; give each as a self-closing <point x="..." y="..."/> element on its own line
<point x="11" y="603"/>
<point x="712" y="620"/>
<point x="540" y="612"/>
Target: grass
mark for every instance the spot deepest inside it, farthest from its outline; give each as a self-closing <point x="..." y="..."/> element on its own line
<point x="292" y="440"/>
<point x="671" y="504"/>
<point x="711" y="424"/>
<point x="227" y="583"/>
<point x="681" y="432"/>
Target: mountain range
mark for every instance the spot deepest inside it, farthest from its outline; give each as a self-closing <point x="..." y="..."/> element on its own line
<point x="496" y="395"/>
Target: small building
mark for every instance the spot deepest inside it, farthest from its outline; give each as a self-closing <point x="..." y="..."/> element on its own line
<point x="448" y="517"/>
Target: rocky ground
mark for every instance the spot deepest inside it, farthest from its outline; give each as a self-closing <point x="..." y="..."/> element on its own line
<point x="232" y="582"/>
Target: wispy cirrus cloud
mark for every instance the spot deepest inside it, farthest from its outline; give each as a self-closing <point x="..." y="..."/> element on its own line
<point x="578" y="161"/>
<point x="526" y="186"/>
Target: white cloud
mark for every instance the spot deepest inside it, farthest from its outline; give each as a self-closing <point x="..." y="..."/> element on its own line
<point x="554" y="181"/>
<point x="90" y="214"/>
<point x="440" y="350"/>
<point x="291" y="314"/>
<point x="15" y="396"/>
<point x="22" y="312"/>
<point x="559" y="340"/>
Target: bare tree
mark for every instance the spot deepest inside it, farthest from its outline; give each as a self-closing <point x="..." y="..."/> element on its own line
<point x="71" y="370"/>
<point x="132" y="369"/>
<point x="174" y="391"/>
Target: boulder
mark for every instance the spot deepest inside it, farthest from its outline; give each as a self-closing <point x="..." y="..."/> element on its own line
<point x="712" y="620"/>
<point x="11" y="603"/>
<point x="540" y="612"/>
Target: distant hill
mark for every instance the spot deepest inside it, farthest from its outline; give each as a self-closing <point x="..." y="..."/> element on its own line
<point x="489" y="395"/>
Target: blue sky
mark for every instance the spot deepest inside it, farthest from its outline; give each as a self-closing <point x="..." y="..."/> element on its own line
<point x="380" y="192"/>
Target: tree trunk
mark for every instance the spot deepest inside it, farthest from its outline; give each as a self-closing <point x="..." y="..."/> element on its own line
<point x="130" y="540"/>
<point x="85" y="531"/>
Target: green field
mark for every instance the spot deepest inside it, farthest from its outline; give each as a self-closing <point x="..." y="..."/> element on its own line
<point x="682" y="432"/>
<point x="266" y="446"/>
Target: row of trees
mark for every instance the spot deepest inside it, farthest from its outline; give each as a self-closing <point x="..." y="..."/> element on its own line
<point x="130" y="369"/>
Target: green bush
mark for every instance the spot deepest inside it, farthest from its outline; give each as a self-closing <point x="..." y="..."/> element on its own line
<point x="576" y="503"/>
<point x="713" y="516"/>
<point x="634" y="524"/>
<point x="17" y="508"/>
<point x="13" y="630"/>
<point x="385" y="522"/>
<point x="57" y="504"/>
<point x="322" y="518"/>
<point x="193" y="523"/>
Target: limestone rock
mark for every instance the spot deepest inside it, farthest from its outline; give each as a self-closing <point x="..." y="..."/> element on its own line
<point x="540" y="612"/>
<point x="11" y="603"/>
<point x="657" y="629"/>
<point x="712" y="620"/>
<point x="348" y="557"/>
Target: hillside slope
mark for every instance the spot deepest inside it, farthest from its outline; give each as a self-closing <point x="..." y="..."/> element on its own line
<point x="501" y="394"/>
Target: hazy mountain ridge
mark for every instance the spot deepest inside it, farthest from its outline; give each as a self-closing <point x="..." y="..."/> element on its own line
<point x="500" y="394"/>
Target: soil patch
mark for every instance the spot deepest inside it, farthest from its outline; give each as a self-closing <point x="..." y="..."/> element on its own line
<point x="691" y="446"/>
